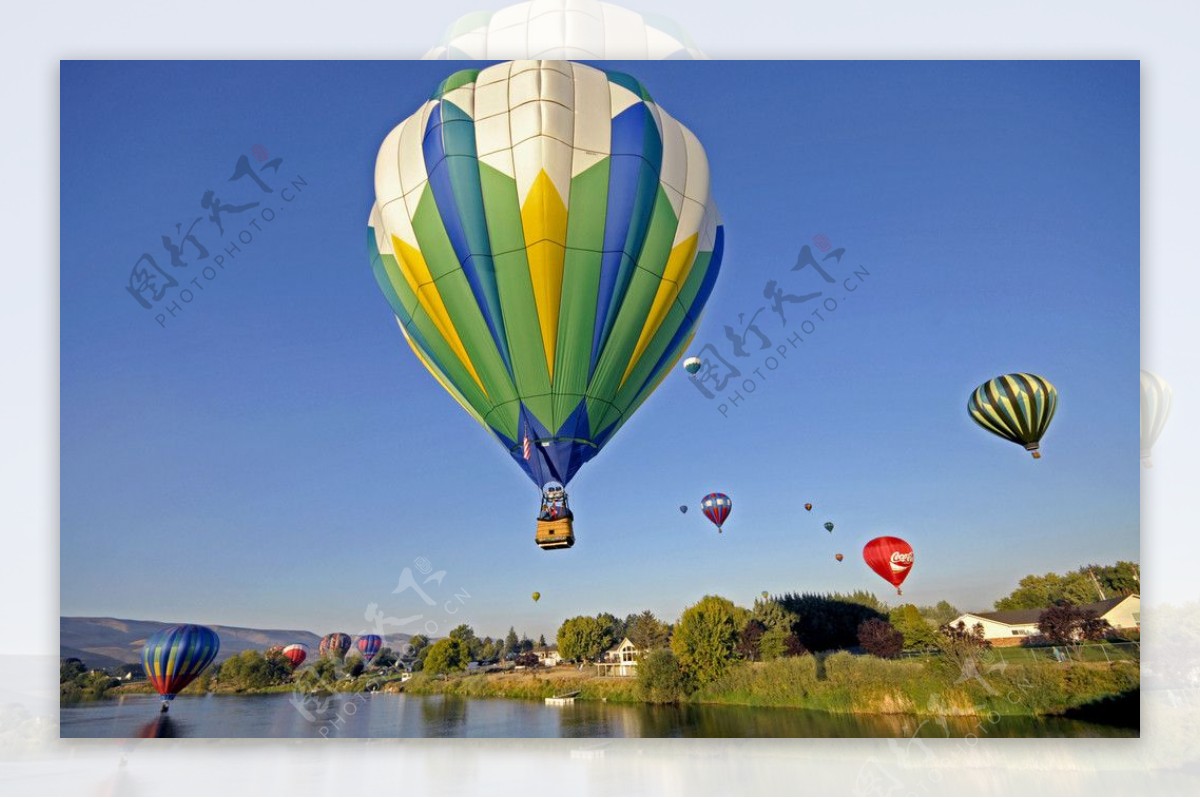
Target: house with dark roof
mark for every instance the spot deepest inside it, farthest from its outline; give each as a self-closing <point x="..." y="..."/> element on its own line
<point x="1011" y="627"/>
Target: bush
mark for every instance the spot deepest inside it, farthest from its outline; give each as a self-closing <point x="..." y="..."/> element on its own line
<point x="660" y="678"/>
<point x="880" y="638"/>
<point x="706" y="637"/>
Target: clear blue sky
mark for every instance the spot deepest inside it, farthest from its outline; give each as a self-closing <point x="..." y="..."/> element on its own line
<point x="275" y="456"/>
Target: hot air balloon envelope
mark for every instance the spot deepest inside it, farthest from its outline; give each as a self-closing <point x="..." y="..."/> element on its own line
<point x="175" y="656"/>
<point x="296" y="653"/>
<point x="1017" y="407"/>
<point x="369" y="645"/>
<point x="692" y="365"/>
<point x="536" y="596"/>
<point x="545" y="235"/>
<point x="716" y="507"/>
<point x="891" y="558"/>
<point x="837" y="557"/>
<point x="828" y="526"/>
<point x="683" y="508"/>
<point x="808" y="507"/>
<point x="335" y="644"/>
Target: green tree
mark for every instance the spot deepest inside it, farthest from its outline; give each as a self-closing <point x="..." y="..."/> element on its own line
<point x="706" y="636"/>
<point x="251" y="670"/>
<point x="71" y="668"/>
<point x="647" y="632"/>
<point x="1036" y="592"/>
<point x="614" y="629"/>
<point x="355" y="666"/>
<point x="939" y="614"/>
<point x="917" y="633"/>
<point x="489" y="651"/>
<point x="582" y="638"/>
<point x="864" y="598"/>
<point x="541" y="641"/>
<point x="660" y="678"/>
<point x="750" y="640"/>
<point x="384" y="658"/>
<point x="466" y="634"/>
<point x="447" y="656"/>
<point x="775" y="643"/>
<point x="511" y="642"/>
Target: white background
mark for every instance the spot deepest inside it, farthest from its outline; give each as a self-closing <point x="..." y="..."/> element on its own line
<point x="34" y="37"/>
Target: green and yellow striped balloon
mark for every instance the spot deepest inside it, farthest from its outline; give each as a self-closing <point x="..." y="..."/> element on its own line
<point x="545" y="234"/>
<point x="1017" y="407"/>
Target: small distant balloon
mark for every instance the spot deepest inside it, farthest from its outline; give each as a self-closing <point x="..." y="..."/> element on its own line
<point x="828" y="526"/>
<point x="535" y="596"/>
<point x="765" y="594"/>
<point x="1156" y="407"/>
<point x="683" y="508"/>
<point x="837" y="557"/>
<point x="692" y="365"/>
<point x="808" y="507"/>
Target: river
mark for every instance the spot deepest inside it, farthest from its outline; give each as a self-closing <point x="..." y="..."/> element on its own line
<point x="384" y="715"/>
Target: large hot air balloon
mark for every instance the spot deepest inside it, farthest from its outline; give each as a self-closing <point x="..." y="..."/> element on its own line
<point x="1017" y="407"/>
<point x="716" y="508"/>
<point x="536" y="596"/>
<point x="891" y="558"/>
<point x="692" y="365"/>
<point x="369" y="645"/>
<point x="175" y="656"/>
<point x="335" y="644"/>
<point x="545" y="235"/>
<point x="295" y="653"/>
<point x="829" y="526"/>
<point x="1156" y="406"/>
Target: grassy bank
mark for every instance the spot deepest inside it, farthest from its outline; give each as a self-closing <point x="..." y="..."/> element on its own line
<point x="844" y="683"/>
<point x="528" y="684"/>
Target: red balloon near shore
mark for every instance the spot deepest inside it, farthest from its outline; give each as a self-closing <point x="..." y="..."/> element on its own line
<point x="891" y="558"/>
<point x="296" y="653"/>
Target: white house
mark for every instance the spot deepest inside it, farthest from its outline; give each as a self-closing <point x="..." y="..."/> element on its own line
<point x="548" y="656"/>
<point x="620" y="660"/>
<point x="1011" y="627"/>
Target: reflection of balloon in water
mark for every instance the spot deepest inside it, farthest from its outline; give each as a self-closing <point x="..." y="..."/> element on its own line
<point x="579" y="29"/>
<point x="545" y="235"/>
<point x="692" y="365"/>
<point x="296" y="653"/>
<point x="175" y="656"/>
<point x="828" y="526"/>
<point x="1016" y="407"/>
<point x="683" y="508"/>
<point x="808" y="507"/>
<point x="336" y="643"/>
<point x="837" y="557"/>
<point x="716" y="508"/>
<point x="1156" y="406"/>
<point x="536" y="596"/>
<point x="891" y="558"/>
<point x="369" y="645"/>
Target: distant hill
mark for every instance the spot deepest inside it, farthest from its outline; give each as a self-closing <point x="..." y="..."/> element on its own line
<point x="109" y="642"/>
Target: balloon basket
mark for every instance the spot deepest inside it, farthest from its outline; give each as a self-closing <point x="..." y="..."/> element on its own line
<point x="556" y="534"/>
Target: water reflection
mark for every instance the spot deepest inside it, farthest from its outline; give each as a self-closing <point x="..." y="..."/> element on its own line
<point x="398" y="716"/>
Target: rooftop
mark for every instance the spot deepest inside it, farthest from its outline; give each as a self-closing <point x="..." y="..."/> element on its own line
<point x="1014" y="617"/>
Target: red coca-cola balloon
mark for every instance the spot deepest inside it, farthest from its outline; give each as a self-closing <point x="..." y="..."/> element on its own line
<point x="891" y="558"/>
